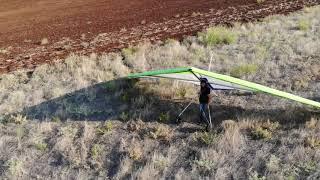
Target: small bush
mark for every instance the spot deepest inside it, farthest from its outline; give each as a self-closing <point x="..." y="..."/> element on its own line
<point x="205" y="166"/>
<point x="300" y="83"/>
<point x="124" y="116"/>
<point x="135" y="125"/>
<point x="171" y="41"/>
<point x="301" y="169"/>
<point x="260" y="1"/>
<point x="304" y="25"/>
<point x="244" y="70"/>
<point x="312" y="141"/>
<point x="255" y="176"/>
<point x="44" y="41"/>
<point x="271" y="126"/>
<point x="41" y="146"/>
<point x="161" y="132"/>
<point x="135" y="153"/>
<point x="96" y="151"/>
<point x="208" y="138"/>
<point x="106" y="128"/>
<point x="125" y="97"/>
<point x="164" y="117"/>
<point x="128" y="52"/>
<point x="161" y="162"/>
<point x="56" y="119"/>
<point x="217" y="35"/>
<point x="307" y="168"/>
<point x="260" y="133"/>
<point x="17" y="119"/>
<point x="182" y="92"/>
<point x="313" y="123"/>
<point x="273" y="164"/>
<point x="3" y="51"/>
<point x="14" y="166"/>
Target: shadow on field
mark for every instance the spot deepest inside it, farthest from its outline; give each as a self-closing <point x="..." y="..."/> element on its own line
<point x="95" y="103"/>
<point x="124" y="99"/>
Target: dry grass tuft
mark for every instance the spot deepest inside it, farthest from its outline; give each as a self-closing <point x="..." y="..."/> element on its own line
<point x="17" y="119"/>
<point x="312" y="141"/>
<point x="314" y="123"/>
<point x="260" y="1"/>
<point x="161" y="132"/>
<point x="207" y="138"/>
<point x="135" y="152"/>
<point x="44" y="41"/>
<point x="261" y="133"/>
<point x="105" y="129"/>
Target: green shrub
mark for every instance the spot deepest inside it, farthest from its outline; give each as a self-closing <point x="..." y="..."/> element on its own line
<point x="304" y="25"/>
<point x="271" y="126"/>
<point x="164" y="117"/>
<point x="125" y="97"/>
<point x="96" y="151"/>
<point x="106" y="128"/>
<point x="208" y="138"/>
<point x="130" y="51"/>
<point x="14" y="166"/>
<point x="242" y="70"/>
<point x="255" y="176"/>
<point x="260" y="133"/>
<point x="273" y="164"/>
<point x="307" y="168"/>
<point x="182" y="92"/>
<point x="217" y="35"/>
<point x="41" y="146"/>
<point x="260" y="1"/>
<point x="56" y="119"/>
<point x="161" y="132"/>
<point x="124" y="116"/>
<point x="205" y="166"/>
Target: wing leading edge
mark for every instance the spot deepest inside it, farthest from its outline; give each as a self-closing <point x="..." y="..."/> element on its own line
<point x="221" y="82"/>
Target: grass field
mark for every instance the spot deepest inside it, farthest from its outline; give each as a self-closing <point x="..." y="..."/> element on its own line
<point x="73" y="120"/>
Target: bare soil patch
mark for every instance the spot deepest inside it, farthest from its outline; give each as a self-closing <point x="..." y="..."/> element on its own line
<point x="103" y="26"/>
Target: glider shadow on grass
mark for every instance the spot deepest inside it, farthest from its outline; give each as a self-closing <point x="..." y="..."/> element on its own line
<point x="94" y="103"/>
<point x="117" y="100"/>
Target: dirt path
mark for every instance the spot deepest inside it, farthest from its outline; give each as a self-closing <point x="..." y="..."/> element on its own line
<point x="105" y="25"/>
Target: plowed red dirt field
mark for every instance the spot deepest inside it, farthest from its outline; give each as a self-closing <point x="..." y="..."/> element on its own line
<point x="106" y="25"/>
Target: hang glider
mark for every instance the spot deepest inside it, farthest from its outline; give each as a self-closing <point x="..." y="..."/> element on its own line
<point x="219" y="82"/>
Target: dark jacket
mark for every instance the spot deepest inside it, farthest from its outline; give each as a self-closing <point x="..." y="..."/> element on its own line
<point x="204" y="95"/>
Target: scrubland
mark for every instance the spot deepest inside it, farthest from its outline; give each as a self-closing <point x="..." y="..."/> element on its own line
<point x="77" y="120"/>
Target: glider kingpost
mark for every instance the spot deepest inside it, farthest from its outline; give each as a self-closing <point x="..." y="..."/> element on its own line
<point x="219" y="82"/>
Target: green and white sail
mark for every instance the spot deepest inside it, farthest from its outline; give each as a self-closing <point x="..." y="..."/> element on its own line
<point x="220" y="82"/>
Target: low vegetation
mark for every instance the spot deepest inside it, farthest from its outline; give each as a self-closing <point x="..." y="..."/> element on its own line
<point x="244" y="70"/>
<point x="91" y="126"/>
<point x="218" y="35"/>
<point x="304" y="25"/>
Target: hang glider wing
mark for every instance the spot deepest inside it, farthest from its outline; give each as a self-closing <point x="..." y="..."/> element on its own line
<point x="220" y="82"/>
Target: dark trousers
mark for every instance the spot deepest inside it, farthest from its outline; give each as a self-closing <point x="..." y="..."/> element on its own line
<point x="204" y="114"/>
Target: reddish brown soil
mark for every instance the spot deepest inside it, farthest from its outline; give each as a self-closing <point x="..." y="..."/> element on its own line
<point x="83" y="26"/>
